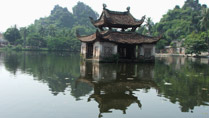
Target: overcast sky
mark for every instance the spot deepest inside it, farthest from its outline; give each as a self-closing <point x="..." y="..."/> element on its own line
<point x="24" y="12"/>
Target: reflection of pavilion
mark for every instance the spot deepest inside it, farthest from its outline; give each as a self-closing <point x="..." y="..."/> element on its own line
<point x="114" y="83"/>
<point x="118" y="101"/>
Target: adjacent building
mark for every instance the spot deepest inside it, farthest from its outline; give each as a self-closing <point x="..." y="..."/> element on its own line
<point x="3" y="42"/>
<point x="176" y="47"/>
<point x="116" y="39"/>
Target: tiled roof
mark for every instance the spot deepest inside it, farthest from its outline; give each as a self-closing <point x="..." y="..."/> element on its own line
<point x="117" y="19"/>
<point x="119" y="37"/>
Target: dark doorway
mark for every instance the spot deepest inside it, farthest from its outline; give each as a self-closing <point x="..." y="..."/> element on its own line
<point x="126" y="51"/>
<point x="89" y="50"/>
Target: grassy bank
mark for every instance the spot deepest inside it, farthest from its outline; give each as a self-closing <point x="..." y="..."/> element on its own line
<point x="20" y="48"/>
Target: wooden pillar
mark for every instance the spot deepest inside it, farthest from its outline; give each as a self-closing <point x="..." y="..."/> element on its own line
<point x="139" y="51"/>
<point x="135" y="49"/>
<point x="83" y="50"/>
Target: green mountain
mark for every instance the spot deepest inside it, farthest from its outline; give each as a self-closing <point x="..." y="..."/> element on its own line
<point x="62" y="18"/>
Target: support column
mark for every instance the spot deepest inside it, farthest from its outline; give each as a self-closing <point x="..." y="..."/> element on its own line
<point x="153" y="50"/>
<point x="142" y="51"/>
<point x="135" y="52"/>
<point x="83" y="50"/>
<point x="138" y="51"/>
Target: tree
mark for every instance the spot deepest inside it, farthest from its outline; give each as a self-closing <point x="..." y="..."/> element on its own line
<point x="161" y="44"/>
<point x="195" y="43"/>
<point x="42" y="31"/>
<point x="149" y="25"/>
<point x="12" y="34"/>
<point x="52" y="30"/>
<point x="24" y="32"/>
<point x="35" y="40"/>
<point x="204" y="22"/>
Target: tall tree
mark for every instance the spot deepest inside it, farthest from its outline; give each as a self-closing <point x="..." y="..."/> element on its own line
<point x="195" y="43"/>
<point x="149" y="25"/>
<point x="12" y="34"/>
<point x="42" y="31"/>
<point x="204" y="22"/>
<point x="52" y="30"/>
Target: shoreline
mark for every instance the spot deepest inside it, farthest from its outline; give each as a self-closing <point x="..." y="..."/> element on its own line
<point x="33" y="50"/>
<point x="182" y="55"/>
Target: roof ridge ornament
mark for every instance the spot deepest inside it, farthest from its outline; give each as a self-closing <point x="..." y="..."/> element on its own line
<point x="143" y="17"/>
<point x="104" y="6"/>
<point x="128" y="8"/>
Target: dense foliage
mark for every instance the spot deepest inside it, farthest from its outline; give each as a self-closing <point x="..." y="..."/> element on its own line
<point x="53" y="68"/>
<point x="182" y="23"/>
<point x="189" y="79"/>
<point x="12" y="34"/>
<point x="196" y="43"/>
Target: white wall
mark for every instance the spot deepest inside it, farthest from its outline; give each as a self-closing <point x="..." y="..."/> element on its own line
<point x="143" y="46"/>
<point x="83" y="49"/>
<point x="113" y="47"/>
<point x="96" y="50"/>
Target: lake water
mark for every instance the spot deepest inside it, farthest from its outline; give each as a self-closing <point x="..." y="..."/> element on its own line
<point x="59" y="85"/>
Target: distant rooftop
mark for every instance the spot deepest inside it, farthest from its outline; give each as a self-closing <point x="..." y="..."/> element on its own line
<point x="2" y="40"/>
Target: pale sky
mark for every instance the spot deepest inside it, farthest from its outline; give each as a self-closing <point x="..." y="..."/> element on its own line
<point x="24" y="12"/>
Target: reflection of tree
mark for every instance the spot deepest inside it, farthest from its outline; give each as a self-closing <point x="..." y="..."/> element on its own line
<point x="188" y="82"/>
<point x="12" y="62"/>
<point x="189" y="78"/>
<point x="58" y="70"/>
<point x="80" y="89"/>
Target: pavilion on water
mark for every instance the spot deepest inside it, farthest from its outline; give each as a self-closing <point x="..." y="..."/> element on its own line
<point x="116" y="37"/>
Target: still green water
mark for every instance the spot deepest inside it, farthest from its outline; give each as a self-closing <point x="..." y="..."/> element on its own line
<point x="59" y="85"/>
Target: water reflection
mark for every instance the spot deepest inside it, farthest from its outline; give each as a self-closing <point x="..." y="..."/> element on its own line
<point x="58" y="70"/>
<point x="183" y="81"/>
<point x="189" y="78"/>
<point x="114" y="84"/>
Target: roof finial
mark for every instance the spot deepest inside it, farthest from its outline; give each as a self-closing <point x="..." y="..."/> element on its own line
<point x="143" y="17"/>
<point x="104" y="6"/>
<point x="128" y="8"/>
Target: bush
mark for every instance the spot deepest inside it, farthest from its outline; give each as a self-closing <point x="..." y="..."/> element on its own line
<point x="18" y="47"/>
<point x="8" y="47"/>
